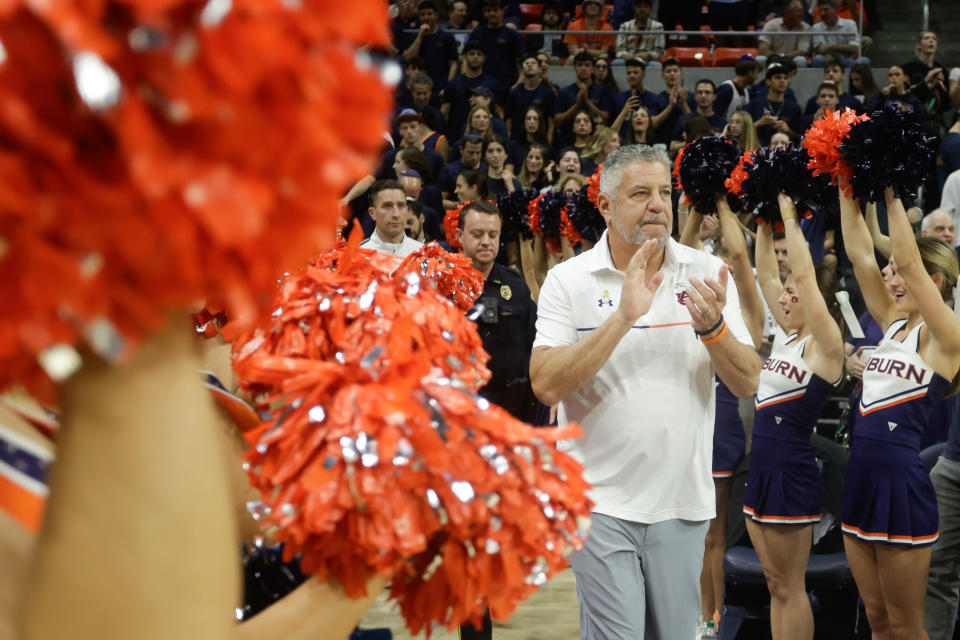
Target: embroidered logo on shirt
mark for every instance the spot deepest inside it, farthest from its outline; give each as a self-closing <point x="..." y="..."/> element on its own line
<point x="680" y="290"/>
<point x="605" y="299"/>
<point x="778" y="419"/>
<point x="892" y="425"/>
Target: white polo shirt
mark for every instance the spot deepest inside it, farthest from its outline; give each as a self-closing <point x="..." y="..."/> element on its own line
<point x="648" y="414"/>
<point x="400" y="249"/>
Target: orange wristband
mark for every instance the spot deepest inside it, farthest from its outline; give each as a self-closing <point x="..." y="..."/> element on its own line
<point x="717" y="337"/>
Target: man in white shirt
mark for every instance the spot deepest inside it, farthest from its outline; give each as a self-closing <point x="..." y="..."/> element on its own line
<point x="837" y="36"/>
<point x="388" y="208"/>
<point x="629" y="335"/>
<point x="786" y="36"/>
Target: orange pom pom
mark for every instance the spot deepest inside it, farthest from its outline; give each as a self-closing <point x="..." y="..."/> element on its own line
<point x="169" y="153"/>
<point x="593" y="185"/>
<point x="734" y="183"/>
<point x="822" y="141"/>
<point x="382" y="460"/>
<point x="451" y="223"/>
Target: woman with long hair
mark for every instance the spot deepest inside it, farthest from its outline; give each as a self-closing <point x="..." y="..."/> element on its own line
<point x="480" y="121"/>
<point x="742" y="131"/>
<point x="582" y="129"/>
<point x="500" y="178"/>
<point x="603" y="74"/>
<point x="471" y="186"/>
<point x="536" y="171"/>
<point x="890" y="516"/>
<point x="535" y="131"/>
<point x="602" y="142"/>
<point x="861" y="84"/>
<point x="569" y="162"/>
<point x="640" y="130"/>
<point x="784" y="492"/>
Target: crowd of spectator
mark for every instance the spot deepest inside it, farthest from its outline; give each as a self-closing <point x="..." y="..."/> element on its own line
<point x="479" y="116"/>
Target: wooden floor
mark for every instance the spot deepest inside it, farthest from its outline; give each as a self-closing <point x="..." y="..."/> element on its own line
<point x="551" y="613"/>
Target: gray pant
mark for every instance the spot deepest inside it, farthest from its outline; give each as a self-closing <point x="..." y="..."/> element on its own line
<point x="638" y="581"/>
<point x="943" y="586"/>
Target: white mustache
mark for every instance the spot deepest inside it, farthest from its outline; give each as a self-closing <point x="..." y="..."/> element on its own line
<point x="656" y="219"/>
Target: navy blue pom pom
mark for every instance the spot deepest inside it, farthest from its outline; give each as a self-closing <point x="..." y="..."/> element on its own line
<point x="701" y="169"/>
<point x="585" y="217"/>
<point x="513" y="208"/>
<point x="891" y="149"/>
<point x="551" y="209"/>
<point x="771" y="171"/>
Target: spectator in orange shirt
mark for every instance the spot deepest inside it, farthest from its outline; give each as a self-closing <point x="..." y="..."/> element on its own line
<point x="592" y="20"/>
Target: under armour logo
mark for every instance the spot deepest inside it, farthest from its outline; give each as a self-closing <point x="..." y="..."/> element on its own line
<point x="892" y="425"/>
<point x="778" y="419"/>
<point x="605" y="299"/>
<point x="682" y="297"/>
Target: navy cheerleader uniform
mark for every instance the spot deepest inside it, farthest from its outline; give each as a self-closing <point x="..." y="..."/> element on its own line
<point x="729" y="437"/>
<point x="785" y="486"/>
<point x="889" y="497"/>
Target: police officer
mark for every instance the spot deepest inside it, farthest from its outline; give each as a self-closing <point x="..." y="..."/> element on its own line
<point x="507" y="326"/>
<point x="507" y="322"/>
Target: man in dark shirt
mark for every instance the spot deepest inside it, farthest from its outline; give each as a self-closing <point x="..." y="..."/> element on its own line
<point x="705" y="95"/>
<point x="437" y="47"/>
<point x="507" y="323"/>
<point x="636" y="72"/>
<point x="502" y="44"/>
<point x="760" y="89"/>
<point x="406" y="19"/>
<point x="773" y="112"/>
<point x="582" y="94"/>
<point x="421" y="90"/>
<point x="676" y="100"/>
<point x="833" y="72"/>
<point x="532" y="92"/>
<point x="456" y="97"/>
<point x="471" y="150"/>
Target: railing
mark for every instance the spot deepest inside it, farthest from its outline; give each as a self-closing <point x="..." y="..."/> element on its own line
<point x="679" y="32"/>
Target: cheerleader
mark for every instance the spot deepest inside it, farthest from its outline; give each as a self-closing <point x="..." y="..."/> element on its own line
<point x="784" y="491"/>
<point x="889" y="507"/>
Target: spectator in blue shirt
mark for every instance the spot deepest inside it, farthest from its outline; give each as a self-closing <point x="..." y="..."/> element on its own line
<point x="531" y="92"/>
<point x="773" y="112"/>
<point x="676" y="100"/>
<point x="437" y="47"/>
<point x="502" y="43"/>
<point x="833" y="72"/>
<point x="636" y="72"/>
<point x="471" y="152"/>
<point x="406" y="19"/>
<point x="456" y="97"/>
<point x="705" y="95"/>
<point x="582" y="94"/>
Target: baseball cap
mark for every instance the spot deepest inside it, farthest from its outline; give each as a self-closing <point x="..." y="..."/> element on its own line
<point x="775" y="69"/>
<point x="482" y="91"/>
<point x="408" y="115"/>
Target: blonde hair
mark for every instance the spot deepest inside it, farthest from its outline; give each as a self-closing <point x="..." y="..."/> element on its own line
<point x="489" y="132"/>
<point x="748" y="140"/>
<point x="601" y="136"/>
<point x="576" y="177"/>
<point x="939" y="257"/>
